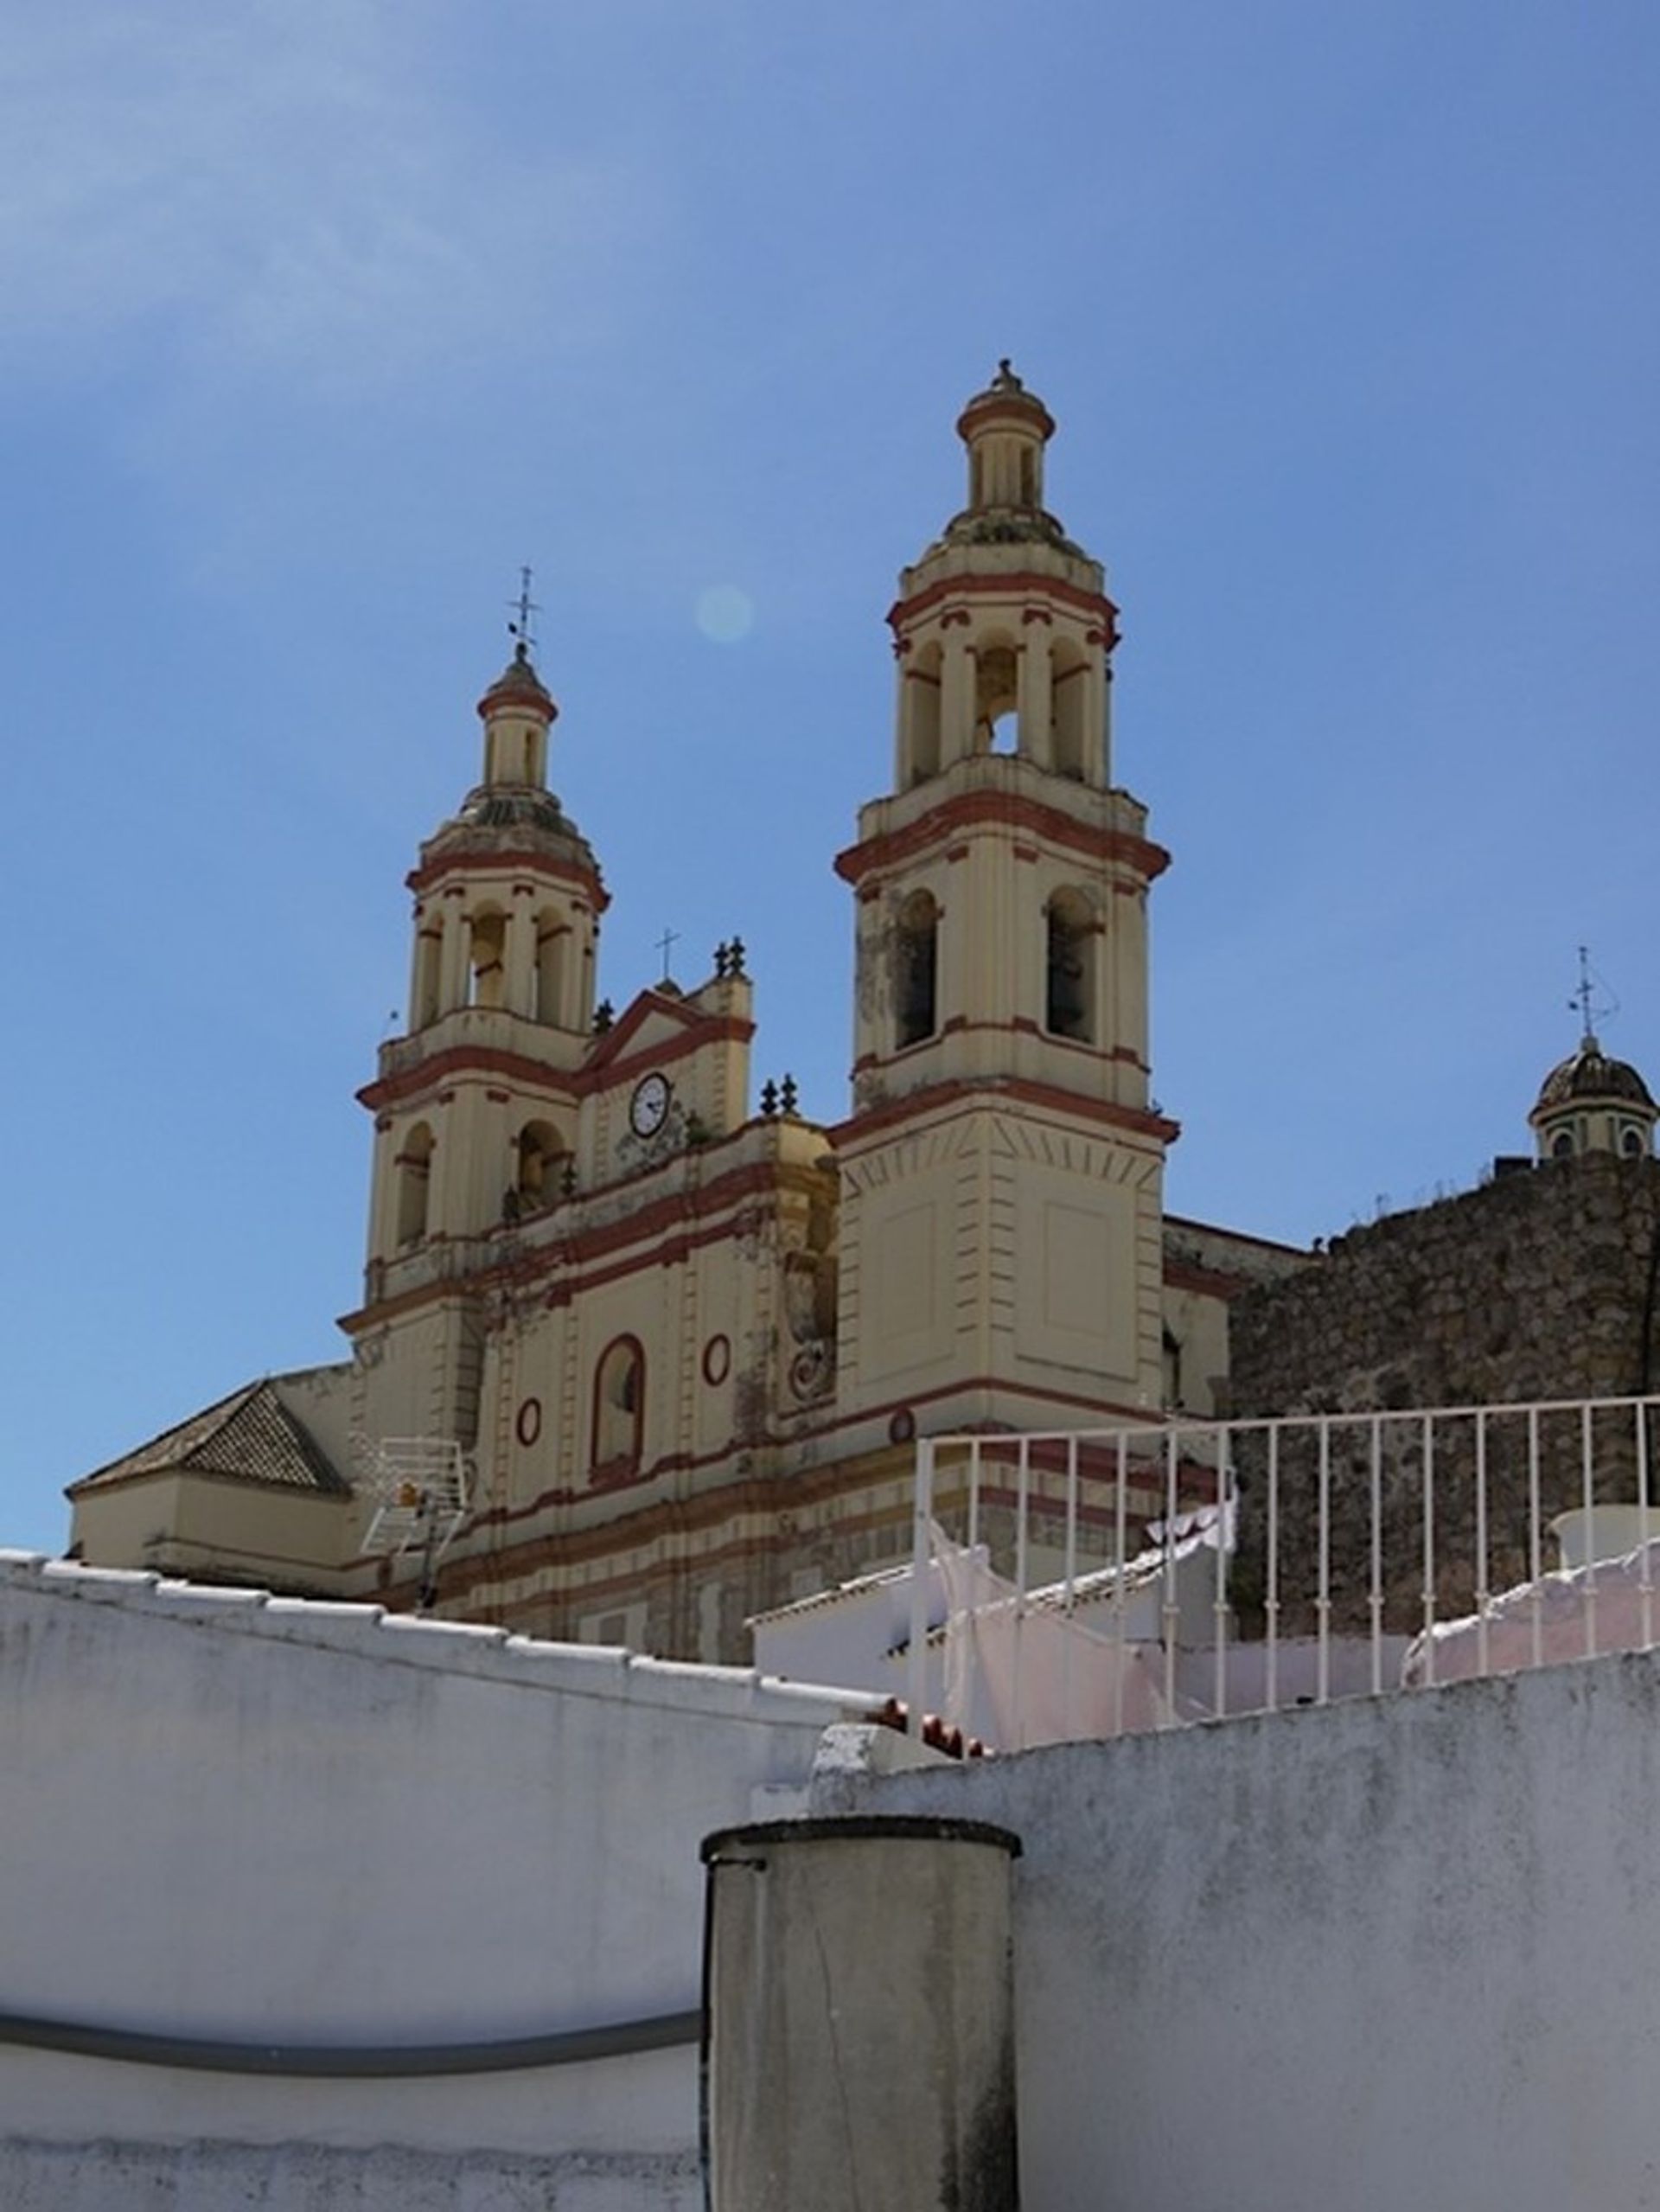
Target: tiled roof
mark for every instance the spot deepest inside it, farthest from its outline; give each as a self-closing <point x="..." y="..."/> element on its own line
<point x="1592" y="1074"/>
<point x="250" y="1436"/>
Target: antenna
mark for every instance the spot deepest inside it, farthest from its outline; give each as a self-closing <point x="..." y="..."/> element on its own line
<point x="1583" y="1002"/>
<point x="524" y="607"/>
<point x="421" y="1488"/>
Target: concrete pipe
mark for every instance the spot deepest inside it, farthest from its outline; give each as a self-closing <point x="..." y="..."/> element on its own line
<point x="859" y="2024"/>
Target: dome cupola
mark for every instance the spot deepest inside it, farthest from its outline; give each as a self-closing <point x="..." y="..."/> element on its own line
<point x="1592" y="1101"/>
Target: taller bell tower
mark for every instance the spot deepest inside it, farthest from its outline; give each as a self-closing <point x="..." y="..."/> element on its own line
<point x="1001" y="1171"/>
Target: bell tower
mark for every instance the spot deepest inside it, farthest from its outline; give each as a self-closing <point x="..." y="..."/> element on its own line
<point x="476" y="1107"/>
<point x="1002" y="1167"/>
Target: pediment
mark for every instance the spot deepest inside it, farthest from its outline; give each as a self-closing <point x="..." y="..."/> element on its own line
<point x="653" y="1022"/>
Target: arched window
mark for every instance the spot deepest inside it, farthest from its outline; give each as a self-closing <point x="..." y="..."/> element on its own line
<point x="1630" y="1142"/>
<point x="1070" y="983"/>
<point x="996" y="685"/>
<point x="414" y="1175"/>
<point x="619" y="1410"/>
<point x="540" y="1155"/>
<point x="1561" y="1145"/>
<point x="487" y="958"/>
<point x="915" y="965"/>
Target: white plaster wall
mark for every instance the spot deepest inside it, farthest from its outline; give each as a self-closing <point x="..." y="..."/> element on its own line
<point x="228" y="1817"/>
<point x="1403" y="1951"/>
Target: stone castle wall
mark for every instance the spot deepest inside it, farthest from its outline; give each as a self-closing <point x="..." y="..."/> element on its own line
<point x="1542" y="1285"/>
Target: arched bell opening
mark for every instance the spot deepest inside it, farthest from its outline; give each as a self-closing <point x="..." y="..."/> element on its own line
<point x="915" y="970"/>
<point x="540" y="1157"/>
<point x="1069" y="967"/>
<point x="996" y="693"/>
<point x="1070" y="738"/>
<point x="487" y="958"/>
<point x="922" y="717"/>
<point x="413" y="1171"/>
<point x="553" y="955"/>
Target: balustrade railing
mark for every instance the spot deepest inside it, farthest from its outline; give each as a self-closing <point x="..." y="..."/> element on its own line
<point x="1110" y="1580"/>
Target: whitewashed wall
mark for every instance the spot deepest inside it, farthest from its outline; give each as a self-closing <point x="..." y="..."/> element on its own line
<point x="1398" y="1952"/>
<point x="226" y="1817"/>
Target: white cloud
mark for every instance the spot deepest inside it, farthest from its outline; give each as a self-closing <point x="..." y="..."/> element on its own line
<point x="294" y="191"/>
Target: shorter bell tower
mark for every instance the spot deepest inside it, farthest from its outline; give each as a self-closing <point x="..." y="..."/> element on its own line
<point x="476" y="1106"/>
<point x="1002" y="1166"/>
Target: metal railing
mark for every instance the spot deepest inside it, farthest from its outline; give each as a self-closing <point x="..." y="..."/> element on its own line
<point x="1197" y="1569"/>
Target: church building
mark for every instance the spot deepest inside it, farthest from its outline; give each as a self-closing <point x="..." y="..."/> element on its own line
<point x="638" y="1354"/>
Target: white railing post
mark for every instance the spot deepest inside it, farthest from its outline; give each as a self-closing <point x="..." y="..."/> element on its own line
<point x="1376" y="1598"/>
<point x="1535" y="1538"/>
<point x="1227" y="1516"/>
<point x="1171" y="1612"/>
<point x="1121" y="1538"/>
<point x="921" y="1559"/>
<point x="1429" y="1547"/>
<point x="1271" y="1585"/>
<point x="1323" y="1599"/>
<point x="1588" y="1490"/>
<point x="1484" y="1595"/>
<point x="1645" y="1582"/>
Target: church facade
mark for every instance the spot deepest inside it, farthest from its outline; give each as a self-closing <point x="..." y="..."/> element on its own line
<point x="676" y="1344"/>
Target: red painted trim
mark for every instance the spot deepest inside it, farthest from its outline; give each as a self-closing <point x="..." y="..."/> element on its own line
<point x="1183" y="1275"/>
<point x="1022" y="583"/>
<point x="753" y="1499"/>
<point x="661" y="1228"/>
<point x="982" y="1095"/>
<point x="435" y="874"/>
<point x="1001" y="810"/>
<point x="477" y="1060"/>
<point x="601" y="1072"/>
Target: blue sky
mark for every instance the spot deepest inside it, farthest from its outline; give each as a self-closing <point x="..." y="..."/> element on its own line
<point x="317" y="320"/>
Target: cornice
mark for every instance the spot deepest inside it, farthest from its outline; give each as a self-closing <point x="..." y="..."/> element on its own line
<point x="1022" y="583"/>
<point x="988" y="1094"/>
<point x="968" y="811"/>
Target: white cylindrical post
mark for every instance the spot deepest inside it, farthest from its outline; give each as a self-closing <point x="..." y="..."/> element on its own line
<point x="858" y="2017"/>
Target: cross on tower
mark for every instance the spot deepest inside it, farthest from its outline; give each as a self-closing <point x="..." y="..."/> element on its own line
<point x="524" y="606"/>
<point x="666" y="945"/>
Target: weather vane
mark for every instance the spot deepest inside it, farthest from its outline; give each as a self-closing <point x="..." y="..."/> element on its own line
<point x="524" y="606"/>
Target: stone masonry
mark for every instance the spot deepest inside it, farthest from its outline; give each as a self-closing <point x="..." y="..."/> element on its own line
<point x="1542" y="1285"/>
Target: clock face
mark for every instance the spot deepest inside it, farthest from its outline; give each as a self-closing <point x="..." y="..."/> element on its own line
<point x="649" y="1108"/>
